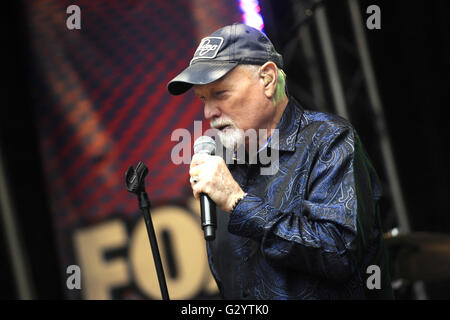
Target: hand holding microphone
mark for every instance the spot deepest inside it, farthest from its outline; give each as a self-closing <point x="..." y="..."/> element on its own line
<point x="212" y="183"/>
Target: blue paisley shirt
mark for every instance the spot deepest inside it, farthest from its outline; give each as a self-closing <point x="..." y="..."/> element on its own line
<point x="310" y="230"/>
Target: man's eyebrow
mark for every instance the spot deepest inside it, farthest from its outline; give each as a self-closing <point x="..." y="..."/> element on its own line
<point x="198" y="95"/>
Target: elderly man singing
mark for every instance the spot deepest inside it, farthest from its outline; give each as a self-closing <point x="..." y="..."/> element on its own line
<point x="309" y="230"/>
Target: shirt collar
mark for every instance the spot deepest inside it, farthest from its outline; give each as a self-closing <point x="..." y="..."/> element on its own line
<point x="288" y="127"/>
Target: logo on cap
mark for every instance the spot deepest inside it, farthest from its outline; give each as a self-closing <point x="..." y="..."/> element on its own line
<point x="208" y="48"/>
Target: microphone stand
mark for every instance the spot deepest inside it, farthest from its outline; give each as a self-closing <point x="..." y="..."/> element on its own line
<point x="135" y="183"/>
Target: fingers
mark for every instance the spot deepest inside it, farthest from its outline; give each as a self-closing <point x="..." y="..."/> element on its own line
<point x="199" y="158"/>
<point x="201" y="173"/>
<point x="196" y="192"/>
<point x="200" y="180"/>
<point x="197" y="164"/>
<point x="199" y="186"/>
<point x="210" y="175"/>
<point x="203" y="163"/>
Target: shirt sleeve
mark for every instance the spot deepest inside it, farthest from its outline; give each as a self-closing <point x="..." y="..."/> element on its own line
<point x="317" y="236"/>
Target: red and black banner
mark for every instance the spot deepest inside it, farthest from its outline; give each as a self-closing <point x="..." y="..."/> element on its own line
<point x="102" y="105"/>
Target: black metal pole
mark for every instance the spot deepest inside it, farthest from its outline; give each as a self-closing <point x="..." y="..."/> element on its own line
<point x="144" y="204"/>
<point x="135" y="183"/>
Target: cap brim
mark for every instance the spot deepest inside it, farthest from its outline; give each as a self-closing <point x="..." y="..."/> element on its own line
<point x="199" y="73"/>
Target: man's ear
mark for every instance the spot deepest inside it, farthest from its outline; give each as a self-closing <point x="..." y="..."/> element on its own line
<point x="268" y="73"/>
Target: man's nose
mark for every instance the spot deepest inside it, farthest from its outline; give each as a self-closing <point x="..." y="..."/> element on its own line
<point x="211" y="111"/>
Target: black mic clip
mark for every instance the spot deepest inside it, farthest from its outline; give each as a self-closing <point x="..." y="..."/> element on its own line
<point x="135" y="183"/>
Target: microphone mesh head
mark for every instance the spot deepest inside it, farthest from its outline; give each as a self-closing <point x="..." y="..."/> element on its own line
<point x="205" y="144"/>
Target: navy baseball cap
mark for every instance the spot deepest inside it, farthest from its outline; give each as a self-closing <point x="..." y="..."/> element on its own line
<point x="223" y="50"/>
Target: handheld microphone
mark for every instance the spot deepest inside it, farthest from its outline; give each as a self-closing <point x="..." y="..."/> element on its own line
<point x="207" y="145"/>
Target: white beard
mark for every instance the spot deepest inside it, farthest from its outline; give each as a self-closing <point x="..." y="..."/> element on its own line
<point x="232" y="138"/>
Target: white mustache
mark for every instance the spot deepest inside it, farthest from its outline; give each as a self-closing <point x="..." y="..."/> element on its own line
<point x="215" y="124"/>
